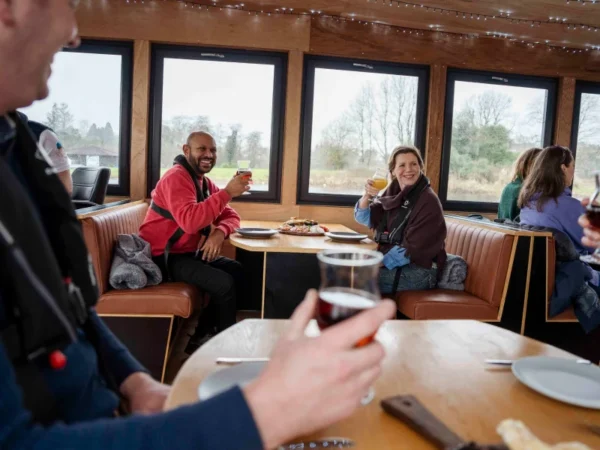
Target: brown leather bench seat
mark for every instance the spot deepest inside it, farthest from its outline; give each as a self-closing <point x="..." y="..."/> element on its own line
<point x="489" y="254"/>
<point x="144" y="319"/>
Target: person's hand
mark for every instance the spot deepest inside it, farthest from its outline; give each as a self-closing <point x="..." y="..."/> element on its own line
<point x="370" y="191"/>
<point x="238" y="185"/>
<point x="591" y="236"/>
<point x="144" y="394"/>
<point x="311" y="382"/>
<point x="212" y="246"/>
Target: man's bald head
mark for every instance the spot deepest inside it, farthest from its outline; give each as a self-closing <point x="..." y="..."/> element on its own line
<point x="200" y="135"/>
<point x="201" y="151"/>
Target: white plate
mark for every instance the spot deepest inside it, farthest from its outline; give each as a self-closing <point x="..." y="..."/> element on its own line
<point x="222" y="380"/>
<point x="261" y="233"/>
<point x="561" y="379"/>
<point x="343" y="236"/>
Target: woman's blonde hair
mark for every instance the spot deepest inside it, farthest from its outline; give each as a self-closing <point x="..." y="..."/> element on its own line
<point x="525" y="162"/>
<point x="401" y="150"/>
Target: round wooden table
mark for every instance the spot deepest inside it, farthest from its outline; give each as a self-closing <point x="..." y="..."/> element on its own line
<point x="439" y="362"/>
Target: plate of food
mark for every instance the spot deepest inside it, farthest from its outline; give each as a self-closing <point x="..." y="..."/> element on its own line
<point x="302" y="227"/>
<point x="256" y="233"/>
<point x="345" y="236"/>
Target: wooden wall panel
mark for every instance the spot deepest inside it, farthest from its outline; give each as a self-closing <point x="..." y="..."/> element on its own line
<point x="292" y="127"/>
<point x="173" y="22"/>
<point x="139" y="119"/>
<point x="382" y="43"/>
<point x="435" y="124"/>
<point x="564" y="111"/>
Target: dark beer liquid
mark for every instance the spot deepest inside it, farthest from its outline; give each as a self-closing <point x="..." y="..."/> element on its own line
<point x="593" y="215"/>
<point x="341" y="304"/>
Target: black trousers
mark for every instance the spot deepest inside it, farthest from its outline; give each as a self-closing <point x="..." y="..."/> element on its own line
<point x="221" y="279"/>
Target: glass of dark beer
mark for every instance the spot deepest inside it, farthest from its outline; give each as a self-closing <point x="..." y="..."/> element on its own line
<point x="349" y="285"/>
<point x="593" y="211"/>
<point x="244" y="169"/>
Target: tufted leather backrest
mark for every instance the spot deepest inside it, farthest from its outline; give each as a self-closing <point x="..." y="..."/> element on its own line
<point x="488" y="255"/>
<point x="100" y="233"/>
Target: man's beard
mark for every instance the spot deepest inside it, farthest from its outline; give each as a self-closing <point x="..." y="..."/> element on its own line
<point x="197" y="166"/>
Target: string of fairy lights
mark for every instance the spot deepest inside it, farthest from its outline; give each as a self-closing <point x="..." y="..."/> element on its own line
<point x="433" y="29"/>
<point x="502" y="15"/>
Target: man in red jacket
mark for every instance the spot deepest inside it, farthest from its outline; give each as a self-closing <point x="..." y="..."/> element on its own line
<point x="186" y="225"/>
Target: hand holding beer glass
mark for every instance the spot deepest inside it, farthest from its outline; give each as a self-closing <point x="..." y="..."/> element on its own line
<point x="592" y="214"/>
<point x="376" y="184"/>
<point x="243" y="168"/>
<point x="349" y="285"/>
<point x="380" y="181"/>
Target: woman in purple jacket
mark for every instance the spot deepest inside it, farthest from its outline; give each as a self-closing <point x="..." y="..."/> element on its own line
<point x="545" y="199"/>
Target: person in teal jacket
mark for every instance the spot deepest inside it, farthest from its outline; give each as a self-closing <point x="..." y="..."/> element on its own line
<point x="508" y="208"/>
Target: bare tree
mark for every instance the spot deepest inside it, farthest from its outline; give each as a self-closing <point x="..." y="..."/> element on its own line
<point x="491" y="107"/>
<point x="589" y="118"/>
<point x="336" y="145"/>
<point x="383" y="117"/>
<point x="361" y="115"/>
<point x="404" y="97"/>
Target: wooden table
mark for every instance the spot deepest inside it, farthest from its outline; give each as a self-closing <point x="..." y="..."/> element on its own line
<point x="440" y="362"/>
<point x="289" y="244"/>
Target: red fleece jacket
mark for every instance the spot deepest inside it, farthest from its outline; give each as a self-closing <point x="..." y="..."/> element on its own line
<point x="176" y="193"/>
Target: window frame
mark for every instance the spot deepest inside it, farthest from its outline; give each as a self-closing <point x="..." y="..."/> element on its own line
<point x="314" y="62"/>
<point x="500" y="79"/>
<point x="125" y="50"/>
<point x="581" y="87"/>
<point x="160" y="52"/>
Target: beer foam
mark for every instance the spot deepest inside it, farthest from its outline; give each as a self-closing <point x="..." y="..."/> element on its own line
<point x="346" y="299"/>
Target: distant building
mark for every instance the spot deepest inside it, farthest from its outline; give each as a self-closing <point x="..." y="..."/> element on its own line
<point x="92" y="155"/>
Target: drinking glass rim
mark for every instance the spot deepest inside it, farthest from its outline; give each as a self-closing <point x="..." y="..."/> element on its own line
<point x="377" y="258"/>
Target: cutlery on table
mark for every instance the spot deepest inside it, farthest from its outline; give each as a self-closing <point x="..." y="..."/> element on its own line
<point x="319" y="443"/>
<point x="509" y="362"/>
<point x="410" y="411"/>
<point x="232" y="361"/>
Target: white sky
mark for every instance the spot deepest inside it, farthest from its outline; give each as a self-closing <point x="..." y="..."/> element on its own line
<point x="516" y="117"/>
<point x="335" y="90"/>
<point x="226" y="92"/>
<point x="89" y="83"/>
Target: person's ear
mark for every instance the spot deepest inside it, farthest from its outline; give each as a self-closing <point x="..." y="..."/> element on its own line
<point x="7" y="17"/>
<point x="564" y="169"/>
<point x="186" y="148"/>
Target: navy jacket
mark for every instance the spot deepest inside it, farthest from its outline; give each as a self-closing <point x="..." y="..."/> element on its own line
<point x="86" y="406"/>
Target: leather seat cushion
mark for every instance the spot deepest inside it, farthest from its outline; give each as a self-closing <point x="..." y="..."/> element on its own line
<point x="177" y="299"/>
<point x="444" y="304"/>
<point x="568" y="314"/>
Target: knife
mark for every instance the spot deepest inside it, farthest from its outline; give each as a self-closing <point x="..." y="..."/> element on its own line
<point x="412" y="412"/>
<point x="509" y="362"/>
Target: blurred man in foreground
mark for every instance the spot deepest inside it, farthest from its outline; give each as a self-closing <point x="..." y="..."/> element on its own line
<point x="62" y="372"/>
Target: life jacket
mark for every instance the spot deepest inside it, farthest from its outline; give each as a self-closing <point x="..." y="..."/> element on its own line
<point x="47" y="281"/>
<point x="202" y="193"/>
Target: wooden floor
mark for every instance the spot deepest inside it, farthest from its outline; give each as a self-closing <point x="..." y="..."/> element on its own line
<point x="178" y="356"/>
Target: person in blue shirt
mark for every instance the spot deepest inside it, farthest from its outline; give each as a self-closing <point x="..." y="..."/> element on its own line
<point x="546" y="201"/>
<point x="65" y="393"/>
